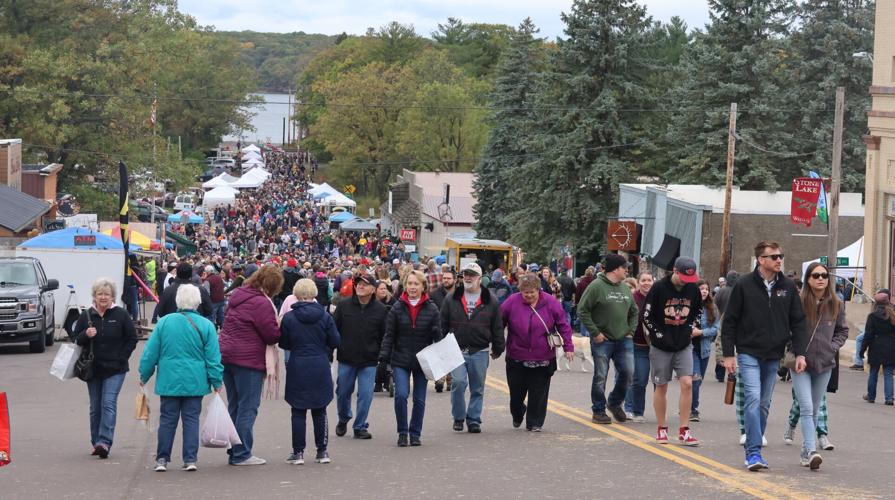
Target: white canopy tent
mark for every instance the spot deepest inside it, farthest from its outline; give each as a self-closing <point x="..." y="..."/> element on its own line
<point x="854" y="253"/>
<point x="337" y="200"/>
<point x="250" y="156"/>
<point x="258" y="172"/>
<point x="221" y="195"/>
<point x="253" y="161"/>
<point x="224" y="179"/>
<point x="252" y="179"/>
<point x="322" y="188"/>
<point x="251" y="147"/>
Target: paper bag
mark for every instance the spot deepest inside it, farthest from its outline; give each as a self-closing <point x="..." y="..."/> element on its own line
<point x="5" y="452"/>
<point x="63" y="366"/>
<point x="142" y="409"/>
<point x="440" y="358"/>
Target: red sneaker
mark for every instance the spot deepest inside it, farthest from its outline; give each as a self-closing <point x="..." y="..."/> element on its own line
<point x="685" y="437"/>
<point x="662" y="435"/>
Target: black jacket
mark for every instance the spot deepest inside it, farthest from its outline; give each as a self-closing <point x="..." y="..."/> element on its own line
<point x="168" y="301"/>
<point x="323" y="292"/>
<point x="439" y="294"/>
<point x="114" y="342"/>
<point x="362" y="328"/>
<point x="879" y="338"/>
<point x="761" y="326"/>
<point x="477" y="330"/>
<point x="290" y="278"/>
<point x="404" y="337"/>
<point x="669" y="314"/>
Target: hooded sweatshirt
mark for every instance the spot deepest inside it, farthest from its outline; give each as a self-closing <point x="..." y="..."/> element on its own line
<point x="249" y="327"/>
<point x="608" y="308"/>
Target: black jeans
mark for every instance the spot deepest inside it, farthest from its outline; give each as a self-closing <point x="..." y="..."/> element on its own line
<point x="299" y="426"/>
<point x="531" y="382"/>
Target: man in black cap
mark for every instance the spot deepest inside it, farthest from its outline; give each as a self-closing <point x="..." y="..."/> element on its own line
<point x="167" y="303"/>
<point x="671" y="317"/>
<point x="360" y="320"/>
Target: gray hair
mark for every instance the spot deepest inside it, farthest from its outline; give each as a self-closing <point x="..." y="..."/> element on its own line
<point x="188" y="297"/>
<point x="209" y="269"/>
<point x="103" y="284"/>
<point x="304" y="289"/>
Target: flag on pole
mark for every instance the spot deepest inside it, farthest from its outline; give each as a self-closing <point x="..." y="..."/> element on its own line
<point x="821" y="201"/>
<point x="123" y="199"/>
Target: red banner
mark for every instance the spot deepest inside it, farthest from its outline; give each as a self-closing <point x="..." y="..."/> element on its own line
<point x="5" y="453"/>
<point x="805" y="193"/>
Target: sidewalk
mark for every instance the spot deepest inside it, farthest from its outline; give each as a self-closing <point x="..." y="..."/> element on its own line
<point x="856" y="316"/>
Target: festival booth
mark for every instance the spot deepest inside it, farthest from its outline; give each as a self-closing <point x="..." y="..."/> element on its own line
<point x="854" y="254"/>
<point x="139" y="240"/>
<point x="221" y="195"/>
<point x="250" y="148"/>
<point x="357" y="225"/>
<point x="250" y="180"/>
<point x="330" y="202"/>
<point x="76" y="256"/>
<point x="186" y="217"/>
<point x="224" y="179"/>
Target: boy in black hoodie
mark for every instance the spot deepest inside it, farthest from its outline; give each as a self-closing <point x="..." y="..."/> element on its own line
<point x="672" y="310"/>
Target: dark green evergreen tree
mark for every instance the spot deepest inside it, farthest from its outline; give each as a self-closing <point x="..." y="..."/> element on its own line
<point x="586" y="139"/>
<point x="515" y="81"/>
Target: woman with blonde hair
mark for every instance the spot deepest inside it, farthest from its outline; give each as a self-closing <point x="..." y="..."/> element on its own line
<point x="550" y="284"/>
<point x="108" y="332"/>
<point x="412" y="324"/>
<point x="249" y="327"/>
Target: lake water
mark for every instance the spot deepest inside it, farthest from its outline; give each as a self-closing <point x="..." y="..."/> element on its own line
<point x="268" y="120"/>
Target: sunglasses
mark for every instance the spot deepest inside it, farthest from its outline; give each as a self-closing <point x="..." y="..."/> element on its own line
<point x="820" y="276"/>
<point x="775" y="256"/>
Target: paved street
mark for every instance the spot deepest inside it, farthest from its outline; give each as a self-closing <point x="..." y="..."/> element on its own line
<point x="572" y="458"/>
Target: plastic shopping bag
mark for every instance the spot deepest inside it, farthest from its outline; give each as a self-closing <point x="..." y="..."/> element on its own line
<point x="440" y="358"/>
<point x="5" y="452"/>
<point x="63" y="366"/>
<point x="218" y="431"/>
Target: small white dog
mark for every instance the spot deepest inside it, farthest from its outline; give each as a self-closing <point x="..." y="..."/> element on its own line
<point x="582" y="352"/>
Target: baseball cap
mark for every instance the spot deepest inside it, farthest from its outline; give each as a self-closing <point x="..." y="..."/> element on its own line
<point x="367" y="278"/>
<point x="686" y="269"/>
<point x="291" y="263"/>
<point x="473" y="268"/>
<point x="396" y="262"/>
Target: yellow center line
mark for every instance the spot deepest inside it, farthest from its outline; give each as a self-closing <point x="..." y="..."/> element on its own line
<point x="746" y="482"/>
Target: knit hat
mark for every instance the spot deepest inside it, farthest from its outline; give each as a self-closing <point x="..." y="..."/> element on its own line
<point x="882" y="296"/>
<point x="184" y="271"/>
<point x="250" y="270"/>
<point x="614" y="261"/>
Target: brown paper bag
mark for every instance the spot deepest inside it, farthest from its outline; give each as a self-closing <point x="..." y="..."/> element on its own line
<point x="142" y="409"/>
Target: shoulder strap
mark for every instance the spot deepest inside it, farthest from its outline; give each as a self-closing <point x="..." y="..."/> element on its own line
<point x="540" y="318"/>
<point x="193" y="324"/>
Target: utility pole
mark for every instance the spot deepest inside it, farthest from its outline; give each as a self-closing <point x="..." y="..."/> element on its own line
<point x="833" y="242"/>
<point x="154" y="163"/>
<point x="728" y="193"/>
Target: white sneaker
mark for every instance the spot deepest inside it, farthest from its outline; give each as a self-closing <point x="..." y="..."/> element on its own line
<point x="764" y="440"/>
<point x="638" y="419"/>
<point x="629" y="415"/>
<point x="161" y="465"/>
<point x="789" y="435"/>
<point x="190" y="467"/>
<point x="824" y="443"/>
<point x="253" y="460"/>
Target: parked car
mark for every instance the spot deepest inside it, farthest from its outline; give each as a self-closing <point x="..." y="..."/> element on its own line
<point x="143" y="211"/>
<point x="184" y="201"/>
<point x="27" y="305"/>
<point x="227" y="163"/>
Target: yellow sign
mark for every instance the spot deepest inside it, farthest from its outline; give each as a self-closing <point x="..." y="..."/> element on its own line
<point x="350" y="189"/>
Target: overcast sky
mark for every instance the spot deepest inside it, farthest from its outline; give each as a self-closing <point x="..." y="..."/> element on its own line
<point x="355" y="16"/>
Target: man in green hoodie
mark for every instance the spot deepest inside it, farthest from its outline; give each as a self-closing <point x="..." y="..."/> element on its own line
<point x="608" y="311"/>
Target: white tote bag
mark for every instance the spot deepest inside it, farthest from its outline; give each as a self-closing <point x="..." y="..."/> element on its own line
<point x="63" y="366"/>
<point x="440" y="358"/>
<point x="218" y="431"/>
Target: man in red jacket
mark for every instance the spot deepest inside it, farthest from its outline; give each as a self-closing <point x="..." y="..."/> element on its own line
<point x="216" y="291"/>
<point x="579" y="292"/>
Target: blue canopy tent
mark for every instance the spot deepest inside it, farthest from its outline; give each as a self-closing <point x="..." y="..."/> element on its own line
<point x="191" y="218"/>
<point x="358" y="225"/>
<point x="341" y="217"/>
<point x="66" y="239"/>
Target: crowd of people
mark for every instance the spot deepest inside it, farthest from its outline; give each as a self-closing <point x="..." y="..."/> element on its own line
<point x="271" y="276"/>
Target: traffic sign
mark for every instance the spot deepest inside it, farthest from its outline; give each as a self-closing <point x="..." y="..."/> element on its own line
<point x="350" y="189"/>
<point x="840" y="261"/>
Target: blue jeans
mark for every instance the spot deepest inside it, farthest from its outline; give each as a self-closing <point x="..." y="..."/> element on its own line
<point x="171" y="410"/>
<point x="217" y="313"/>
<point x="103" y="394"/>
<point x="621" y="352"/>
<point x="244" y="387"/>
<point x="471" y="373"/>
<point x="887" y="381"/>
<point x="859" y="341"/>
<point x="635" y="399"/>
<point x="569" y="308"/>
<point x="402" y="391"/>
<point x="759" y="378"/>
<point x="699" y="367"/>
<point x="810" y="390"/>
<point x="365" y="377"/>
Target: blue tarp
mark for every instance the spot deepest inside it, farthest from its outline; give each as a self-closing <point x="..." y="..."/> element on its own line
<point x="341" y="217"/>
<point x="192" y="218"/>
<point x="65" y="239"/>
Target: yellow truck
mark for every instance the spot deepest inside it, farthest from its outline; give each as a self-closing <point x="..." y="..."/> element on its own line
<point x="490" y="254"/>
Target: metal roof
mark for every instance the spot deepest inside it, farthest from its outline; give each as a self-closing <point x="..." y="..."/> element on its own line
<point x="18" y="209"/>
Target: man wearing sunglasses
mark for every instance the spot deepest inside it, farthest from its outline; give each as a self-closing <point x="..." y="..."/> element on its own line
<point x="763" y="314"/>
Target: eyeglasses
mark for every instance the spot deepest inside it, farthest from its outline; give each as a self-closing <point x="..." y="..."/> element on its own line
<point x="820" y="276"/>
<point x="775" y="256"/>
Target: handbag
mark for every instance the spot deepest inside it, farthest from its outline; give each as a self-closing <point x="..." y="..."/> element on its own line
<point x="554" y="339"/>
<point x="789" y="357"/>
<point x="84" y="364"/>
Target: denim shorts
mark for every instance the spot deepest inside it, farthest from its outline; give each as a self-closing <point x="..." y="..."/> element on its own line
<point x="662" y="363"/>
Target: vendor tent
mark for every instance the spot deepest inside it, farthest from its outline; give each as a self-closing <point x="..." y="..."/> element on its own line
<point x="76" y="257"/>
<point x="341" y="217"/>
<point x="224" y="179"/>
<point x="337" y="200"/>
<point x="139" y="240"/>
<point x="358" y="225"/>
<point x="854" y="253"/>
<point x="223" y="195"/>
<point x="186" y="217"/>
<point x="322" y="188"/>
<point x="252" y="162"/>
<point x="251" y="147"/>
<point x="259" y="172"/>
<point x="248" y="182"/>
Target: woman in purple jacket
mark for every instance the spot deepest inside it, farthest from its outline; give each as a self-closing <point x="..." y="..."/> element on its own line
<point x="249" y="327"/>
<point x="530" y="360"/>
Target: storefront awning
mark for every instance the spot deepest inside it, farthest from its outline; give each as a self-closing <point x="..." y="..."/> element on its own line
<point x="668" y="253"/>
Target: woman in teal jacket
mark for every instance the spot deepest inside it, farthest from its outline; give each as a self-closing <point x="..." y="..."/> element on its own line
<point x="703" y="339"/>
<point x="185" y="349"/>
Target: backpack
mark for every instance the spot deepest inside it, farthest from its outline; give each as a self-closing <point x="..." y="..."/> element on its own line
<point x="347" y="288"/>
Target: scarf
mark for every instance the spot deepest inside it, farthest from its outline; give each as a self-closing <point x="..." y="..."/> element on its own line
<point x="272" y="360"/>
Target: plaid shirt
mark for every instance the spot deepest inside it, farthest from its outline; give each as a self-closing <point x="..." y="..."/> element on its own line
<point x="434" y="279"/>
